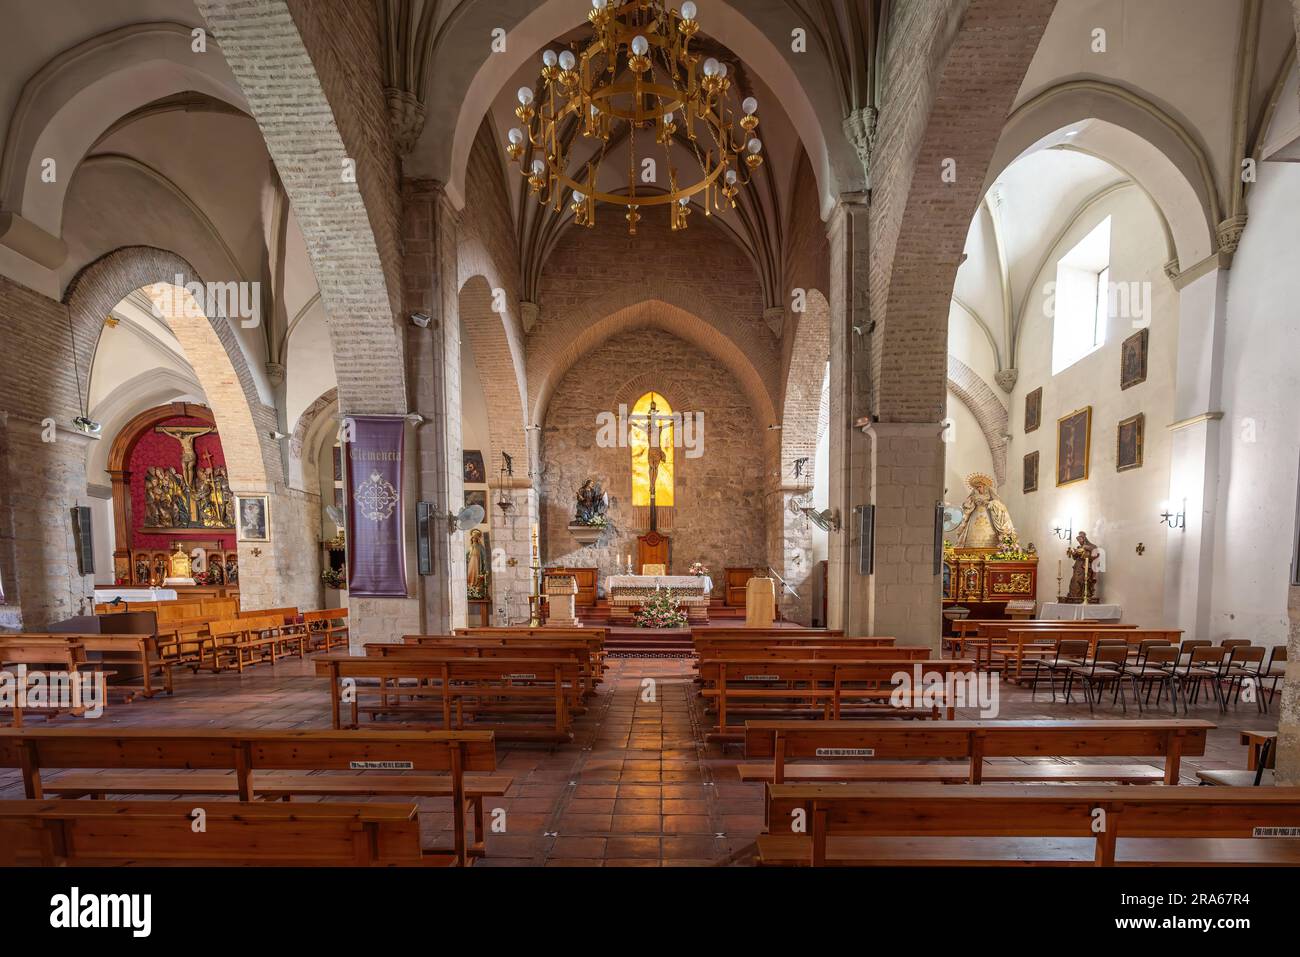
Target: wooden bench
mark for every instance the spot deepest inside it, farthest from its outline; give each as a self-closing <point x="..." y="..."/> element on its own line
<point x="826" y="688"/>
<point x="1008" y="824"/>
<point x="453" y="689"/>
<point x="252" y="765"/>
<point x="327" y="628"/>
<point x="116" y="833"/>
<point x="139" y="651"/>
<point x="826" y="751"/>
<point x="456" y="647"/>
<point x="594" y="638"/>
<point x="49" y="653"/>
<point x="716" y="652"/>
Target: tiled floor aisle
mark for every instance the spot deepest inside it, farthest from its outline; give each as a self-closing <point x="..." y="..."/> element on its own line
<point x="638" y="785"/>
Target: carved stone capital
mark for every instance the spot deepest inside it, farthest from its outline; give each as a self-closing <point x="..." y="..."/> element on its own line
<point x="406" y="114"/>
<point x="774" y="316"/>
<point x="860" y="128"/>
<point x="275" y="372"/>
<point x="1229" y="232"/>
<point x="529" y="313"/>
<point x="1006" y="379"/>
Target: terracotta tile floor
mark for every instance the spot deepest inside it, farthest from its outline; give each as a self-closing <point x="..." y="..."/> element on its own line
<point x="637" y="787"/>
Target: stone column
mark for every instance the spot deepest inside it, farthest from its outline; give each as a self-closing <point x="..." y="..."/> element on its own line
<point x="1194" y="458"/>
<point x="512" y="548"/>
<point x="1288" y="725"/>
<point x="849" y="480"/>
<point x="789" y="551"/>
<point x="907" y="469"/>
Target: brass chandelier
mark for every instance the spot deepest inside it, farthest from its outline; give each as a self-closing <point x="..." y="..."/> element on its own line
<point x="636" y="69"/>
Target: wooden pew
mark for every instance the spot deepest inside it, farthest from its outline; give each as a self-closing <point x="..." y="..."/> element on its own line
<point x="450" y="646"/>
<point x="996" y="635"/>
<point x="242" y="642"/>
<point x="51" y="653"/>
<point x="116" y="833"/>
<point x="453" y="688"/>
<point x="594" y="638"/>
<point x="260" y="764"/>
<point x="817" y="652"/>
<point x="1008" y="824"/>
<point x="826" y="751"/>
<point x="328" y="627"/>
<point x="139" y="651"/>
<point x="825" y="688"/>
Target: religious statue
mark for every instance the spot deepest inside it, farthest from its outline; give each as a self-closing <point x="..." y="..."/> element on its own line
<point x="592" y="505"/>
<point x="985" y="520"/>
<point x="1083" y="579"/>
<point x="186" y="435"/>
<point x="232" y="571"/>
<point x="477" y="565"/>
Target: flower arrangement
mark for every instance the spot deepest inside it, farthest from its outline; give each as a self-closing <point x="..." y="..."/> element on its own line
<point x="334" y="578"/>
<point x="699" y="568"/>
<point x="592" y="521"/>
<point x="661" y="610"/>
<point x="1010" y="550"/>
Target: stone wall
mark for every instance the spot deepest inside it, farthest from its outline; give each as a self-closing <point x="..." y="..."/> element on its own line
<point x="719" y="508"/>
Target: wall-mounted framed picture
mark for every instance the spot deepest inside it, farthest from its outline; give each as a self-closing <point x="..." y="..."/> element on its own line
<point x="474" y="470"/>
<point x="1129" y="437"/>
<point x="1034" y="410"/>
<point x="254" y="517"/>
<point x="1073" y="446"/>
<point x="1031" y="473"/>
<point x="1133" y="359"/>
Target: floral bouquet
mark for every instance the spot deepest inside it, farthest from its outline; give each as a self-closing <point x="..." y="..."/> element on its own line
<point x="334" y="578"/>
<point x="699" y="568"/>
<point x="661" y="610"/>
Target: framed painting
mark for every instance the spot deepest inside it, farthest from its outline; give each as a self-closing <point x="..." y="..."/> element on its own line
<point x="1034" y="410"/>
<point x="1073" y="446"/>
<point x="254" y="518"/>
<point x="1128" y="443"/>
<point x="477" y="496"/>
<point x="475" y="474"/>
<point x="1133" y="359"/>
<point x="1031" y="473"/>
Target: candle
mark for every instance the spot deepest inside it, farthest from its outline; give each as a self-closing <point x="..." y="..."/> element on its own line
<point x="1058" y="568"/>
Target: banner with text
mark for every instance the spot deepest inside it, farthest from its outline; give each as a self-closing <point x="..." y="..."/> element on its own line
<point x="376" y="521"/>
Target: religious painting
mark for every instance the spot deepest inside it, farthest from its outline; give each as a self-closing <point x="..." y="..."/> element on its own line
<point x="338" y="463"/>
<point x="254" y="518"/>
<point x="1133" y="359"/>
<point x="1128" y="443"/>
<point x="474" y="471"/>
<point x="476" y="496"/>
<point x="194" y="496"/>
<point x="1034" y="410"/>
<point x="1073" y="446"/>
<point x="1031" y="473"/>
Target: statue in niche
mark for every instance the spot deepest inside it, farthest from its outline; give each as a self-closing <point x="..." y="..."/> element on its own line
<point x="477" y="565"/>
<point x="985" y="520"/>
<point x="1083" y="578"/>
<point x="232" y="570"/>
<point x="592" y="504"/>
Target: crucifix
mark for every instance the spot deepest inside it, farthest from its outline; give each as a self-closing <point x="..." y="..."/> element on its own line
<point x="654" y="454"/>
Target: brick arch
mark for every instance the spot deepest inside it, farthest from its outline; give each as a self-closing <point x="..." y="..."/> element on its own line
<point x="557" y="345"/>
<point x="500" y="369"/>
<point x="994" y="421"/>
<point x="208" y="342"/>
<point x="805" y="377"/>
<point x="919" y="223"/>
<point x="302" y="452"/>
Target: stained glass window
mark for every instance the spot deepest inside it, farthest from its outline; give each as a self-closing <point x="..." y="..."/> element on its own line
<point x="639" y="444"/>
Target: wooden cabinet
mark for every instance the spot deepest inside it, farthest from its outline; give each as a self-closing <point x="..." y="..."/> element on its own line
<point x="734" y="584"/>
<point x="586" y="579"/>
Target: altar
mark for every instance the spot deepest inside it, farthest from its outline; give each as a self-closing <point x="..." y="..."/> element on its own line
<point x="625" y="593"/>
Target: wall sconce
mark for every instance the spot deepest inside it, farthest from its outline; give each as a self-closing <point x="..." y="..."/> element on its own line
<point x="1064" y="534"/>
<point x="1175" y="519"/>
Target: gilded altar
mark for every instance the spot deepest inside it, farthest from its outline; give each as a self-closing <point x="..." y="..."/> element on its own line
<point x="986" y="575"/>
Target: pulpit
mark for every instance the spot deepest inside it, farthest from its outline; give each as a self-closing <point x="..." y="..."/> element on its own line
<point x="760" y="603"/>
<point x="560" y="593"/>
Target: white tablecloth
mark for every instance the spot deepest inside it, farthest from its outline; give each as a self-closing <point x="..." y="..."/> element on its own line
<point x="1065" y="611"/>
<point x="103" y="595"/>
<point x="678" y="582"/>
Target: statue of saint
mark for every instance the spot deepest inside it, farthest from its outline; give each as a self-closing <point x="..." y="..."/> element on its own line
<point x="985" y="520"/>
<point x="592" y="503"/>
<point x="476" y="565"/>
<point x="1083" y="579"/>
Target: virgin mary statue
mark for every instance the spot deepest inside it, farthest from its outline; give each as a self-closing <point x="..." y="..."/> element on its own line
<point x="985" y="520"/>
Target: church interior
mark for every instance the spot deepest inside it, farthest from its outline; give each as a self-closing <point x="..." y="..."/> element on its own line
<point x="613" y="433"/>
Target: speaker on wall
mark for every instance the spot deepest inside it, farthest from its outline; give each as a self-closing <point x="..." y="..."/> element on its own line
<point x="866" y="539"/>
<point x="425" y="513"/>
<point x="939" y="514"/>
<point x="84" y="537"/>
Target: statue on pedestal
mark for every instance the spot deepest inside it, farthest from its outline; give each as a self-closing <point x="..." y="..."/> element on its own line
<point x="1083" y="579"/>
<point x="985" y="520"/>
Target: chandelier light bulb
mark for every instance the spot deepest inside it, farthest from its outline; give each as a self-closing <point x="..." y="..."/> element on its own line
<point x="731" y="177"/>
<point x="599" y="4"/>
<point x="711" y="67"/>
<point x="684" y="201"/>
<point x="525" y="95"/>
<point x="567" y="60"/>
<point x="539" y="167"/>
<point x="750" y="106"/>
<point x="722" y="70"/>
<point x="579" y="197"/>
<point x="688" y="10"/>
<point x="640" y="45"/>
<point x="516" y="136"/>
<point x="755" y="146"/>
<point x="668" y="117"/>
<point x="549" y="58"/>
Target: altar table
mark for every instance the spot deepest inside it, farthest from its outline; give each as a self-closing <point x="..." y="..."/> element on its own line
<point x="1066" y="611"/>
<point x="626" y="593"/>
<point x="105" y="595"/>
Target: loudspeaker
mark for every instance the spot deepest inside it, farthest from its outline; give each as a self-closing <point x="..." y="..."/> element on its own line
<point x="938" y="539"/>
<point x="425" y="513"/>
<point x="84" y="537"/>
<point x="866" y="539"/>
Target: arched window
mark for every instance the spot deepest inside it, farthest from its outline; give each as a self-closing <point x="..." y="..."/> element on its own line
<point x="639" y="425"/>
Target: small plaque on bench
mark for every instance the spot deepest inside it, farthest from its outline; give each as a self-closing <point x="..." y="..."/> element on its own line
<point x="846" y="752"/>
<point x="381" y="765"/>
<point x="519" y="677"/>
<point x="762" y="677"/>
<point x="1276" y="832"/>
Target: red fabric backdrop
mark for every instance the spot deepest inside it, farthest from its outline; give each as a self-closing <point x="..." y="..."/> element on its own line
<point x="154" y="450"/>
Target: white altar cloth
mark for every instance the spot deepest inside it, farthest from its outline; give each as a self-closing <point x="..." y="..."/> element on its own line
<point x="1066" y="611"/>
<point x="105" y="595"/>
<point x="691" y="583"/>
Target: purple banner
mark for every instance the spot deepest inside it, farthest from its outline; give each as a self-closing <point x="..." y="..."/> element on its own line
<point x="376" y="520"/>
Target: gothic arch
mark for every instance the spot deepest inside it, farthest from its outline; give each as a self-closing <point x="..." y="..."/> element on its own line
<point x="994" y="420"/>
<point x="305" y="440"/>
<point x="209" y="344"/>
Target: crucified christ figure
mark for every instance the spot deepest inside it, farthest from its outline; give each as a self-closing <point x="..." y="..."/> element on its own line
<point x="186" y="435"/>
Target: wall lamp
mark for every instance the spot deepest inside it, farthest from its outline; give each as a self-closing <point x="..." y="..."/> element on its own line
<point x="1175" y="519"/>
<point x="1064" y="534"/>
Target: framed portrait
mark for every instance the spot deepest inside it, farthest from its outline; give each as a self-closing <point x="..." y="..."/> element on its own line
<point x="1128" y="443"/>
<point x="476" y="496"/>
<point x="338" y="464"/>
<point x="474" y="471"/>
<point x="1034" y="410"/>
<point x="1031" y="473"/>
<point x="253" y="518"/>
<point x="1133" y="359"/>
<point x="1073" y="446"/>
